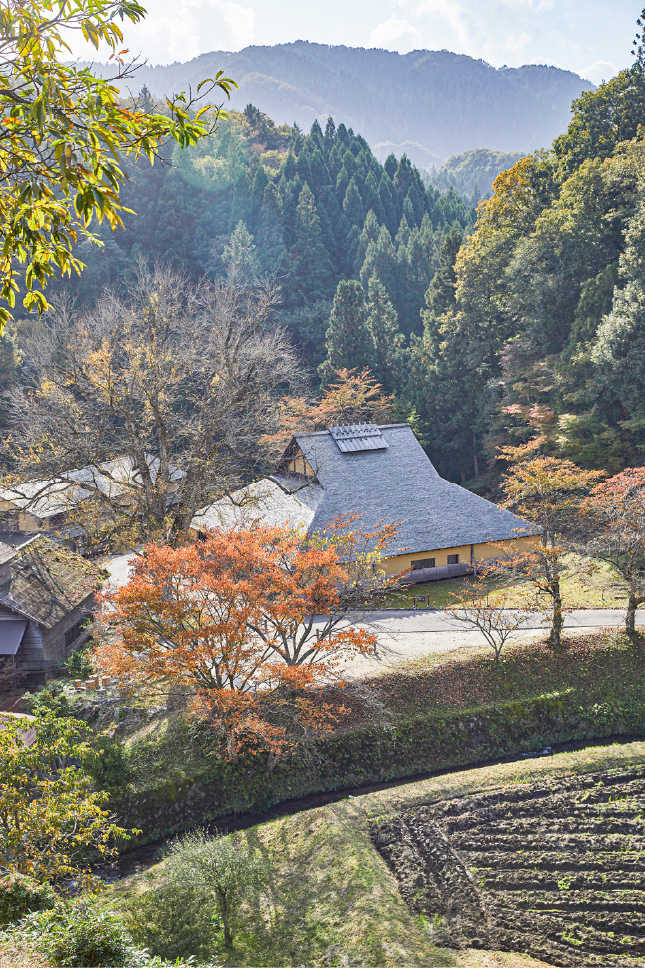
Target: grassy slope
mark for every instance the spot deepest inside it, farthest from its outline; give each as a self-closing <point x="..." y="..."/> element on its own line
<point x="585" y="584"/>
<point x="332" y="899"/>
<point x="597" y="667"/>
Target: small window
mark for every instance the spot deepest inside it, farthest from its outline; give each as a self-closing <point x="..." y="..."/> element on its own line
<point x="453" y="559"/>
<point x="76" y="631"/>
<point x="423" y="563"/>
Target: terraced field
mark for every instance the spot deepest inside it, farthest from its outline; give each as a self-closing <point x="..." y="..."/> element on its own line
<point x="556" y="871"/>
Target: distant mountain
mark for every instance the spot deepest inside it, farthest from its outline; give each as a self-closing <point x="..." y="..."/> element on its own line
<point x="440" y="103"/>
<point x="474" y="170"/>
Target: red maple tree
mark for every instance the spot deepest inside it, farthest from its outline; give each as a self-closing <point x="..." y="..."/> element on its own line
<point x="256" y="620"/>
<point x="613" y="518"/>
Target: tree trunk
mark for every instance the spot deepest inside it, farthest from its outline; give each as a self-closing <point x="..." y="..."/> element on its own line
<point x="475" y="459"/>
<point x="228" y="936"/>
<point x="557" y="619"/>
<point x="630" y="620"/>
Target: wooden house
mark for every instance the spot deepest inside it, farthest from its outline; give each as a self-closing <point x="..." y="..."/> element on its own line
<point x="46" y="605"/>
<point x="383" y="474"/>
<point x="51" y="506"/>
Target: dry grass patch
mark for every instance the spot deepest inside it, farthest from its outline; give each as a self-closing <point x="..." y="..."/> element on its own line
<point x="585" y="584"/>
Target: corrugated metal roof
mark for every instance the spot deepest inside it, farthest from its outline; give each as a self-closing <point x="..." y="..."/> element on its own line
<point x="354" y="438"/>
<point x="11" y="633"/>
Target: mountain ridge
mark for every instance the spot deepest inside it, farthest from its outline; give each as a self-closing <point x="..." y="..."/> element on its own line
<point x="444" y="103"/>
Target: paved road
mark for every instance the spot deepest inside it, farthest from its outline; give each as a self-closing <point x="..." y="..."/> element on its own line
<point x="406" y="635"/>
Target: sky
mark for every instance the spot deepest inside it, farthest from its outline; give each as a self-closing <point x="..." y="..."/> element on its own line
<point x="591" y="37"/>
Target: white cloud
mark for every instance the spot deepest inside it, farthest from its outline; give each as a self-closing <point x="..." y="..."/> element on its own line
<point x="240" y="22"/>
<point x="395" y="34"/>
<point x="514" y="44"/>
<point x="538" y="5"/>
<point x="447" y="11"/>
<point x="182" y="30"/>
<point x="600" y="70"/>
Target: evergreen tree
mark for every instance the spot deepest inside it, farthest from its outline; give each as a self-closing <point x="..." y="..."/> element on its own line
<point x="311" y="273"/>
<point x="372" y="200"/>
<point x="403" y="235"/>
<point x="441" y="294"/>
<point x="390" y="166"/>
<point x="420" y="266"/>
<point x="370" y="233"/>
<point x="353" y="205"/>
<point x="387" y="196"/>
<point x="386" y="353"/>
<point x="342" y="181"/>
<point x="330" y="134"/>
<point x="260" y="182"/>
<point x="240" y="258"/>
<point x="380" y="260"/>
<point x="348" y="343"/>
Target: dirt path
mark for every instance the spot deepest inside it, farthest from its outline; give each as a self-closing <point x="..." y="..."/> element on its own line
<point x="406" y="636"/>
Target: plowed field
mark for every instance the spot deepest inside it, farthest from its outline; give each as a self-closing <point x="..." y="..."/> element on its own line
<point x="556" y="871"/>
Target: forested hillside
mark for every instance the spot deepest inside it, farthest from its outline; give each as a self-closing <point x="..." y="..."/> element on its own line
<point x="430" y="104"/>
<point x="472" y="173"/>
<point x="256" y="201"/>
<point x="530" y="325"/>
<point x="539" y="329"/>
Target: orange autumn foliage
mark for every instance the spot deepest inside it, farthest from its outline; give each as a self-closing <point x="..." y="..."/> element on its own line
<point x="355" y="397"/>
<point x="253" y="619"/>
<point x="612" y="522"/>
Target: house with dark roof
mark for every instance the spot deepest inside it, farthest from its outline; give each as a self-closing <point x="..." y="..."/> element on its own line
<point x="46" y="605"/>
<point x="383" y="474"/>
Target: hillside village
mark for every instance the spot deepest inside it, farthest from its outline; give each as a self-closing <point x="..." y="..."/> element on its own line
<point x="322" y="511"/>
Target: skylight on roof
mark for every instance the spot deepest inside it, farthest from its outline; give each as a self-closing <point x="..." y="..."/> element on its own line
<point x="354" y="438"/>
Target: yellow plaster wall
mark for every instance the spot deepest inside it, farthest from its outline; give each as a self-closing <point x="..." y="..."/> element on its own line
<point x="482" y="552"/>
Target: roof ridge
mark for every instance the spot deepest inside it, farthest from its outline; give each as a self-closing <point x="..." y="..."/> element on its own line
<point x="324" y="433"/>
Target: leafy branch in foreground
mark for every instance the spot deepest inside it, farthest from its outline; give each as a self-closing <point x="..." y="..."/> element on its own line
<point x="52" y="823"/>
<point x="63" y="131"/>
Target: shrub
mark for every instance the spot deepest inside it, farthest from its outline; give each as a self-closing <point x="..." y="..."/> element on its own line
<point x="109" y="767"/>
<point x="79" y="933"/>
<point x="50" y="698"/>
<point x="173" y="921"/>
<point x="20" y="895"/>
<point x="79" y="664"/>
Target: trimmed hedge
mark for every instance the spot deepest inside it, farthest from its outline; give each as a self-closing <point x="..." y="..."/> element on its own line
<point x="371" y="754"/>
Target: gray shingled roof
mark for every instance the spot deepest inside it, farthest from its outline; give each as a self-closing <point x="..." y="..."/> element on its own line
<point x="6" y="552"/>
<point x="264" y="500"/>
<point x="47" y="581"/>
<point x="397" y="484"/>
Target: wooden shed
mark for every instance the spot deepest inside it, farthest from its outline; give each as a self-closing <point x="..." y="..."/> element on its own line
<point x="46" y="605"/>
